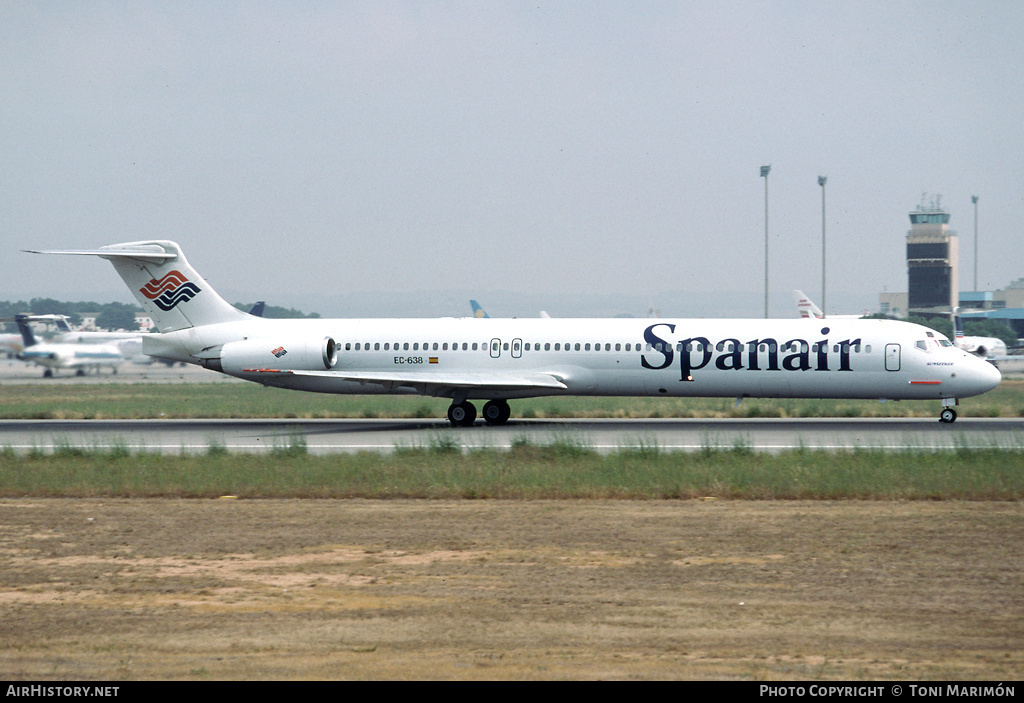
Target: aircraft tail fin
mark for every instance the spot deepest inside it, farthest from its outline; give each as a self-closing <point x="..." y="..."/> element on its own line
<point x="958" y="327"/>
<point x="28" y="337"/>
<point x="806" y="306"/>
<point x="477" y="310"/>
<point x="164" y="284"/>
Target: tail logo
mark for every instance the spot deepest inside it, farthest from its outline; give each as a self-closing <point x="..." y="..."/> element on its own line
<point x="170" y="290"/>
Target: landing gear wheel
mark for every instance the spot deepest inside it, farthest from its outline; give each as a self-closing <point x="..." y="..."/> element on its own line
<point x="497" y="412"/>
<point x="462" y="414"/>
<point x="947" y="415"/>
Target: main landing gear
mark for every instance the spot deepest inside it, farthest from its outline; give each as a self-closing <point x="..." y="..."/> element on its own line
<point x="496" y="412"/>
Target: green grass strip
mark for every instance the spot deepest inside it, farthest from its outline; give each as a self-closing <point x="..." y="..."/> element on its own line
<point x="563" y="470"/>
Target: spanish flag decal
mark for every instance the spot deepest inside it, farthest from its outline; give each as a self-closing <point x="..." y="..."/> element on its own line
<point x="433" y="360"/>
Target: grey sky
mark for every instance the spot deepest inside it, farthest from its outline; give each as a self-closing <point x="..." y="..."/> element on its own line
<point x="544" y="147"/>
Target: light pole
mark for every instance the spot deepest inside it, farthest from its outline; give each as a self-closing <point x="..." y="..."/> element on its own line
<point x="821" y="181"/>
<point x="974" y="199"/>
<point x="764" y="174"/>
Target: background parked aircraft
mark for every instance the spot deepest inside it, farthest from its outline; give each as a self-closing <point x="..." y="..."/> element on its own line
<point x="477" y="310"/>
<point x="480" y="313"/>
<point x="990" y="348"/>
<point x="56" y="355"/>
<point x="806" y="307"/>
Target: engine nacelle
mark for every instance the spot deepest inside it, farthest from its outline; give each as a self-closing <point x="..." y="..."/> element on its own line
<point x="313" y="354"/>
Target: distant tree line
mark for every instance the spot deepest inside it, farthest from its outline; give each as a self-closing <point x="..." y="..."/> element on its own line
<point x="109" y="316"/>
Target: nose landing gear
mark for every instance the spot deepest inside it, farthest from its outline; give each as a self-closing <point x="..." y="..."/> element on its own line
<point x="948" y="414"/>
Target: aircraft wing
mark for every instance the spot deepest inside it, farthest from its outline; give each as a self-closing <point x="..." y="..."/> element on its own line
<point x="416" y="380"/>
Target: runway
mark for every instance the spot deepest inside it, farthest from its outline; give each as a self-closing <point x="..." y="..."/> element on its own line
<point x="601" y="435"/>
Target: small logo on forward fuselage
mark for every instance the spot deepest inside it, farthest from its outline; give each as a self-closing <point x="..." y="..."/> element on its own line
<point x="279" y="352"/>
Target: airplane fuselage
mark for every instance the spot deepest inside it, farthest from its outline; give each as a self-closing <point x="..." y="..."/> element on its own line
<point x="72" y="356"/>
<point x="683" y="357"/>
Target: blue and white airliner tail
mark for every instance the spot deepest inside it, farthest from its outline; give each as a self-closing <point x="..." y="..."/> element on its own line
<point x="478" y="311"/>
<point x="496" y="360"/>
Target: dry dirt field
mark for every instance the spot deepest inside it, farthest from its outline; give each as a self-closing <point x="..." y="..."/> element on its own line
<point x="355" y="589"/>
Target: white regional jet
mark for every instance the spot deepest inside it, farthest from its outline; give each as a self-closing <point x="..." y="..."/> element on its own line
<point x="991" y="348"/>
<point x="51" y="356"/>
<point x="496" y="359"/>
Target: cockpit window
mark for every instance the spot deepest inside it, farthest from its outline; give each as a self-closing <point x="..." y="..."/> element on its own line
<point x="933" y="343"/>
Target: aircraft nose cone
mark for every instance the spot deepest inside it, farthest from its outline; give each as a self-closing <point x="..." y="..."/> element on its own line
<point x="982" y="376"/>
<point x="992" y="376"/>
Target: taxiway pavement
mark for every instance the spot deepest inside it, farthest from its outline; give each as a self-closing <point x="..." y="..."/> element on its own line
<point x="602" y="435"/>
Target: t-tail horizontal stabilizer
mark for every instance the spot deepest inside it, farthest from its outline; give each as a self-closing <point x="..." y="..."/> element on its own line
<point x="164" y="283"/>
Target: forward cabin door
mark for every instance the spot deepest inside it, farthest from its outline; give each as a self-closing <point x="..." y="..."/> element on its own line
<point x="892" y="357"/>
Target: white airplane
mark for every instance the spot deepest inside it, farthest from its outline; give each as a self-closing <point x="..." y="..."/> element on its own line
<point x="806" y="307"/>
<point x="495" y="359"/>
<point x="54" y="356"/>
<point x="128" y="344"/>
<point x="989" y="348"/>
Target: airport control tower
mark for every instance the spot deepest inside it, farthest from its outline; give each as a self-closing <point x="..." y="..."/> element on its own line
<point x="933" y="260"/>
